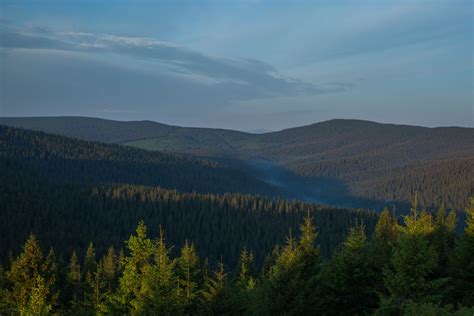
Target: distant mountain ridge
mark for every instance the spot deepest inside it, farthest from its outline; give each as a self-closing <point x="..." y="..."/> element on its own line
<point x="379" y="161"/>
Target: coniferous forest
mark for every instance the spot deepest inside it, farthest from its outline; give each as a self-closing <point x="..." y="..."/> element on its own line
<point x="418" y="266"/>
<point x="91" y="228"/>
<point x="236" y="157"/>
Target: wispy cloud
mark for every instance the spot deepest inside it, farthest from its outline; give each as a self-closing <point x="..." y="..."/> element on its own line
<point x="257" y="77"/>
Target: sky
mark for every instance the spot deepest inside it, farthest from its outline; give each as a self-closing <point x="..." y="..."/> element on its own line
<point x="243" y="65"/>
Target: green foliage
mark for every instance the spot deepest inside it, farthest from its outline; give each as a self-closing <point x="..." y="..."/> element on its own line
<point x="346" y="282"/>
<point x="149" y="278"/>
<point x="430" y="309"/>
<point x="388" y="162"/>
<point x="412" y="274"/>
<point x="462" y="263"/>
<point x="37" y="303"/>
<point x="30" y="292"/>
<point x="287" y="287"/>
<point x="188" y="276"/>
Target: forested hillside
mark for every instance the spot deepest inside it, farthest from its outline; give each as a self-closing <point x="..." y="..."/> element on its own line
<point x="76" y="161"/>
<point x="414" y="267"/>
<point x="373" y="161"/>
<point x="72" y="191"/>
<point x="200" y="250"/>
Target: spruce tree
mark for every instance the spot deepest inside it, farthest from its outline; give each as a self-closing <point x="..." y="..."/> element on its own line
<point x="346" y="283"/>
<point x="29" y="291"/>
<point x="5" y="304"/>
<point x="412" y="276"/>
<point x="51" y="277"/>
<point x="37" y="303"/>
<point x="246" y="280"/>
<point x="216" y="293"/>
<point x="162" y="281"/>
<point x="74" y="279"/>
<point x="109" y="266"/>
<point x="91" y="279"/>
<point x="288" y="285"/>
<point x="134" y="294"/>
<point x="462" y="263"/>
<point x="381" y="247"/>
<point x="188" y="273"/>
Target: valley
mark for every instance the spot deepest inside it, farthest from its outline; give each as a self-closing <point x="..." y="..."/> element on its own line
<point x="342" y="162"/>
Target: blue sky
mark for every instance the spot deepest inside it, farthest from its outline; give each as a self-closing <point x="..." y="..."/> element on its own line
<point x="242" y="65"/>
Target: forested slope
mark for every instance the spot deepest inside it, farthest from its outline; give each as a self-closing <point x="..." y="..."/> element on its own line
<point x="77" y="161"/>
<point x="418" y="266"/>
<point x="70" y="192"/>
<point x="372" y="160"/>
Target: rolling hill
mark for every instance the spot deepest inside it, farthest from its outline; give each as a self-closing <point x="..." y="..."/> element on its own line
<point x="371" y="160"/>
<point x="73" y="161"/>
<point x="71" y="192"/>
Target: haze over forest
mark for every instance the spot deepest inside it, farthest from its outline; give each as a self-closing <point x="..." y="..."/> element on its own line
<point x="241" y="157"/>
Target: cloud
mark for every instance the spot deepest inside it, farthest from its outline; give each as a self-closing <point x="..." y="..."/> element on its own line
<point x="77" y="73"/>
<point x="249" y="77"/>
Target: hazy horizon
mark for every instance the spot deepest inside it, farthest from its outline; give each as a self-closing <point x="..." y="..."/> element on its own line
<point x="239" y="65"/>
<point x="251" y="130"/>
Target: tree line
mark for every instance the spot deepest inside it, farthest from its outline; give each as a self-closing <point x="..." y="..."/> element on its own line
<point x="417" y="266"/>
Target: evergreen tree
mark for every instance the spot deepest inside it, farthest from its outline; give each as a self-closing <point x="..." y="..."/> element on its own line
<point x="109" y="267"/>
<point x="37" y="303"/>
<point x="289" y="284"/>
<point x="188" y="273"/>
<point x="134" y="295"/>
<point x="5" y="307"/>
<point x="92" y="276"/>
<point x="381" y="248"/>
<point x="162" y="281"/>
<point x="246" y="280"/>
<point x="462" y="263"/>
<point x="74" y="279"/>
<point x="99" y="291"/>
<point x="400" y="271"/>
<point x="29" y="292"/>
<point x="51" y="277"/>
<point x="217" y="293"/>
<point x="89" y="262"/>
<point x="411" y="276"/>
<point x="346" y="282"/>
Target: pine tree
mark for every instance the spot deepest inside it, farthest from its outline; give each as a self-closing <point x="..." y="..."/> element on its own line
<point x="134" y="294"/>
<point x="462" y="263"/>
<point x="386" y="230"/>
<point x="216" y="293"/>
<point x="188" y="272"/>
<point x="29" y="291"/>
<point x="51" y="276"/>
<point x="92" y="278"/>
<point x="246" y="280"/>
<point x="38" y="299"/>
<point x="289" y="283"/>
<point x="148" y="282"/>
<point x="287" y="257"/>
<point x="74" y="279"/>
<point x="99" y="292"/>
<point x="443" y="239"/>
<point x="346" y="283"/>
<point x="109" y="267"/>
<point x="308" y="237"/>
<point x="381" y="247"/>
<point x="89" y="262"/>
<point x="412" y="273"/>
<point x="162" y="281"/>
<point x="4" y="303"/>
